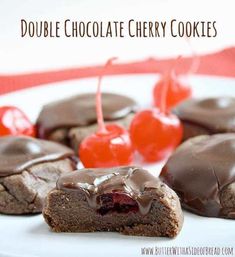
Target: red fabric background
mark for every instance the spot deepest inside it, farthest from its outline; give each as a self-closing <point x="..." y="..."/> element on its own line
<point x="219" y="64"/>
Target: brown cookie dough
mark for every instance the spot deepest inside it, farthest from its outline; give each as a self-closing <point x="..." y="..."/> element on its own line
<point x="69" y="121"/>
<point x="206" y="116"/>
<point x="29" y="169"/>
<point x="202" y="172"/>
<point x="125" y="199"/>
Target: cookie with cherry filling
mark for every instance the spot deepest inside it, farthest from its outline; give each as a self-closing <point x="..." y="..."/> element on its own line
<point x="128" y="200"/>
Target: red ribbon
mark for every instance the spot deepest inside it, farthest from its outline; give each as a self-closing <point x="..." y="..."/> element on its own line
<point x="219" y="64"/>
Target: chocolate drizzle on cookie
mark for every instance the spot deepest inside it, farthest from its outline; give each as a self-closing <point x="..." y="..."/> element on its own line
<point x="134" y="182"/>
<point x="214" y="114"/>
<point x="80" y="111"/>
<point x="18" y="153"/>
<point x="199" y="170"/>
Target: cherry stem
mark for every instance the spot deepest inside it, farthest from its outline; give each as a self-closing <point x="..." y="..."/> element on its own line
<point x="166" y="80"/>
<point x="195" y="59"/>
<point x="100" y="118"/>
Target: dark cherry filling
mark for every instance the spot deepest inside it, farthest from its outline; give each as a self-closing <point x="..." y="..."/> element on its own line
<point x="116" y="202"/>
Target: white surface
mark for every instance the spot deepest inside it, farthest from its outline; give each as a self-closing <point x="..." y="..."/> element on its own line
<point x="26" y="54"/>
<point x="26" y="236"/>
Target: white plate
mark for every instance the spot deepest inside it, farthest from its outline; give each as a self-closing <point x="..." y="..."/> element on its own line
<point x="30" y="236"/>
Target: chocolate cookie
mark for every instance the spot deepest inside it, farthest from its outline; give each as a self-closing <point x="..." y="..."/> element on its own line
<point x="69" y="121"/>
<point x="202" y="172"/>
<point x="207" y="116"/>
<point x="125" y="199"/>
<point x="29" y="169"/>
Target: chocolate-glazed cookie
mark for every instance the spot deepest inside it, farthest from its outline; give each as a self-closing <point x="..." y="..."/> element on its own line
<point x="125" y="199"/>
<point x="207" y="116"/>
<point x="202" y="172"/>
<point x="29" y="169"/>
<point x="69" y="121"/>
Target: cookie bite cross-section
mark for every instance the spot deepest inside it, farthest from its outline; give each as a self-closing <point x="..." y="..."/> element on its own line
<point x="125" y="199"/>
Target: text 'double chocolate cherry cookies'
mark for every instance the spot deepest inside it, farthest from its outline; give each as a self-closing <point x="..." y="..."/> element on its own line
<point x="202" y="172"/>
<point x="29" y="169"/>
<point x="70" y="120"/>
<point x="206" y="116"/>
<point x="125" y="199"/>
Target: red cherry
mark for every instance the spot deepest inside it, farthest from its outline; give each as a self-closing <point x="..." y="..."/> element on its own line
<point x="155" y="134"/>
<point x="109" y="149"/>
<point x="110" y="146"/>
<point x="14" y="122"/>
<point x="177" y="91"/>
<point x="116" y="202"/>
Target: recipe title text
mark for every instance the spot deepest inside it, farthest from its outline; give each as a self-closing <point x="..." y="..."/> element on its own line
<point x="117" y="29"/>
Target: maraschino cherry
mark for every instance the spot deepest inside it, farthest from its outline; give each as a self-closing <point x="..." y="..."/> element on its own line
<point x="110" y="146"/>
<point x="156" y="132"/>
<point x="14" y="122"/>
<point x="177" y="89"/>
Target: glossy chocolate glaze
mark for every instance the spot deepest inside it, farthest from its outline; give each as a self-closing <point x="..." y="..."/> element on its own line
<point x="215" y="114"/>
<point x="199" y="170"/>
<point x="18" y="153"/>
<point x="81" y="111"/>
<point x="132" y="181"/>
